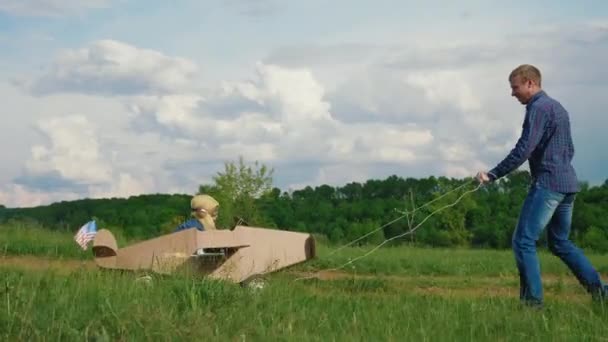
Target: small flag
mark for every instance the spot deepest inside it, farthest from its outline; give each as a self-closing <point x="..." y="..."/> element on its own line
<point x="85" y="234"/>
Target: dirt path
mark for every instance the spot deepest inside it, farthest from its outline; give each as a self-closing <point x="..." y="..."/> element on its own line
<point x="559" y="288"/>
<point x="335" y="275"/>
<point x="35" y="263"/>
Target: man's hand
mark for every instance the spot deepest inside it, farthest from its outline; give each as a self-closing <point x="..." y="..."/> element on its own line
<point x="483" y="177"/>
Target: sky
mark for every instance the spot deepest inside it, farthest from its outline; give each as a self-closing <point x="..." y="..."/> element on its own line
<point x="115" y="98"/>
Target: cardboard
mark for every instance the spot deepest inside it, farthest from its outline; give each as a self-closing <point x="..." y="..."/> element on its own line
<point x="235" y="255"/>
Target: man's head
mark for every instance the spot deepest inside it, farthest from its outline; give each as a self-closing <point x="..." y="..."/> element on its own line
<point x="204" y="206"/>
<point x="525" y="81"/>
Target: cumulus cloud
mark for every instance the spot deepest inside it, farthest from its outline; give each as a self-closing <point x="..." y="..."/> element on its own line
<point x="124" y="185"/>
<point x="378" y="143"/>
<point x="50" y="8"/>
<point x="390" y="111"/>
<point x="443" y="107"/>
<point x="281" y="114"/>
<point x="73" y="162"/>
<point x="17" y="195"/>
<point x="458" y="91"/>
<point x="279" y="104"/>
<point x="109" y="67"/>
<point x="373" y="95"/>
<point x="74" y="151"/>
<point x="443" y="88"/>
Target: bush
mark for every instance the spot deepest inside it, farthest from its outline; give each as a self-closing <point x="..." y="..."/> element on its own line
<point x="596" y="239"/>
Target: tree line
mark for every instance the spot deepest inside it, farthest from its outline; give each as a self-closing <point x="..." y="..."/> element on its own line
<point x="340" y="214"/>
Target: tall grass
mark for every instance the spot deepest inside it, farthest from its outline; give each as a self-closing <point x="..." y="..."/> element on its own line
<point x="23" y="239"/>
<point x="435" y="261"/>
<point x="108" y="306"/>
<point x="393" y="294"/>
<point x="18" y="238"/>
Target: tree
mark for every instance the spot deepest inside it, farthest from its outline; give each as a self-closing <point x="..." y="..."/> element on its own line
<point x="596" y="239"/>
<point x="237" y="188"/>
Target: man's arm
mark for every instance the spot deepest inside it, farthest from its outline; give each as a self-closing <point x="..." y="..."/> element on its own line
<point x="532" y="132"/>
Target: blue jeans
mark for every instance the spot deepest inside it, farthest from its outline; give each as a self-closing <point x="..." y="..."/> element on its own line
<point x="553" y="210"/>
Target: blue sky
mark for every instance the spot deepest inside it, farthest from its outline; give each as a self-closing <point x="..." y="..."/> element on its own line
<point x="118" y="97"/>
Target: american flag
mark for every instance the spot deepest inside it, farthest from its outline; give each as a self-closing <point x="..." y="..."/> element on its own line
<point x="85" y="234"/>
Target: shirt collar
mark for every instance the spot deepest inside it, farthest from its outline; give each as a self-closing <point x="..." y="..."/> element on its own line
<point x="535" y="97"/>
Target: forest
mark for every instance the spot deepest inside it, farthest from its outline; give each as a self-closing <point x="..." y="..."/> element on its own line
<point x="448" y="212"/>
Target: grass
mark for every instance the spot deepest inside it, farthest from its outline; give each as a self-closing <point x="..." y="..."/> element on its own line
<point x="105" y="306"/>
<point x="394" y="294"/>
<point x="19" y="239"/>
<point x="25" y="239"/>
<point x="436" y="261"/>
<point x="36" y="241"/>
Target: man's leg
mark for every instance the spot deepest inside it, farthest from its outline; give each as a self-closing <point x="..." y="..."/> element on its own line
<point x="537" y="210"/>
<point x="558" y="237"/>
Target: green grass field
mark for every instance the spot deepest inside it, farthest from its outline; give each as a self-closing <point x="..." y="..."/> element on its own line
<point x="51" y="291"/>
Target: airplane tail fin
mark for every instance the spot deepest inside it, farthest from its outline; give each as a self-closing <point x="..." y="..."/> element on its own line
<point x="104" y="248"/>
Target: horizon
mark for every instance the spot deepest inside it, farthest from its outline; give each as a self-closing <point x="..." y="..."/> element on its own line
<point x="289" y="191"/>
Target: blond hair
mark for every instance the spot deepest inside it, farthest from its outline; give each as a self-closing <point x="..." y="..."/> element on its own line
<point x="526" y="72"/>
<point x="202" y="206"/>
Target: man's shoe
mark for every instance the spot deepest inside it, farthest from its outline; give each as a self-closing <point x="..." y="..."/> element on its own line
<point x="533" y="304"/>
<point x="600" y="294"/>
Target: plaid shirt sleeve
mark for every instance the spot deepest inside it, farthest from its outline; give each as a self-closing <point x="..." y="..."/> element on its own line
<point x="533" y="129"/>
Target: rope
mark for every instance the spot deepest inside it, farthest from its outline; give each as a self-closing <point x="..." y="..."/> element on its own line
<point x="405" y="214"/>
<point x="410" y="231"/>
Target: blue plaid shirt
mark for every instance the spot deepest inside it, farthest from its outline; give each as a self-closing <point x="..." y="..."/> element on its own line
<point x="546" y="142"/>
<point x="191" y="223"/>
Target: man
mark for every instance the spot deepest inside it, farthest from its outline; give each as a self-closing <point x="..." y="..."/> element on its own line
<point x="546" y="143"/>
<point x="205" y="210"/>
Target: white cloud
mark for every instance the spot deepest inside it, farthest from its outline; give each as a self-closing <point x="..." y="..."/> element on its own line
<point x="332" y="174"/>
<point x="384" y="112"/>
<point x="446" y="87"/>
<point x="281" y="104"/>
<point x="16" y="195"/>
<point x="124" y="186"/>
<point x="169" y="110"/>
<point x="372" y="94"/>
<point x="292" y="96"/>
<point x="74" y="151"/>
<point x="378" y="143"/>
<point x="455" y="152"/>
<point x="109" y="67"/>
<point x="462" y="170"/>
<point x="281" y="115"/>
<point x="73" y="163"/>
<point x="50" y="8"/>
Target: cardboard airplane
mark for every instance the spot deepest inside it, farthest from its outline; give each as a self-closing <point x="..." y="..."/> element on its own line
<point x="236" y="255"/>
